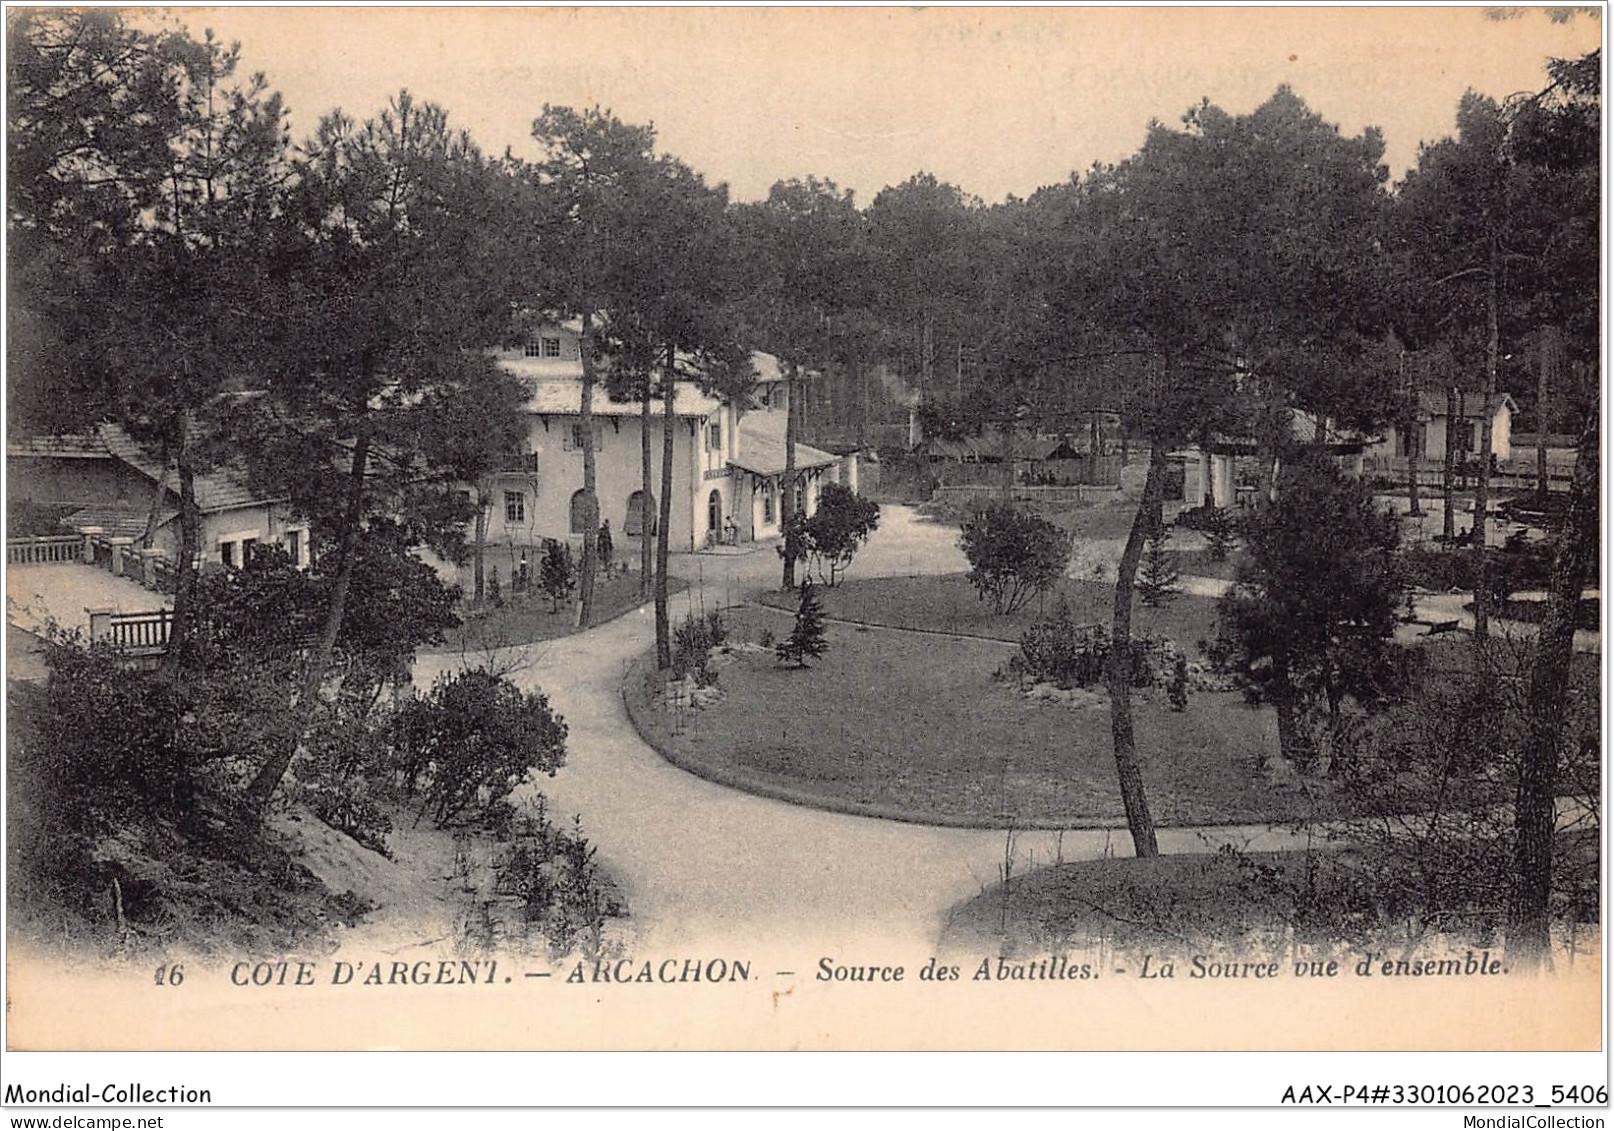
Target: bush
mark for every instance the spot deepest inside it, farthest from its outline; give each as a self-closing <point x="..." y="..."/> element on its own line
<point x="840" y="525"/>
<point x="463" y="747"/>
<point x="693" y="642"/>
<point x="345" y="777"/>
<point x="557" y="576"/>
<point x="806" y="640"/>
<point x="1013" y="555"/>
<point x="554" y="874"/>
<point x="1057" y="650"/>
<point x="1215" y="524"/>
<point x="1157" y="579"/>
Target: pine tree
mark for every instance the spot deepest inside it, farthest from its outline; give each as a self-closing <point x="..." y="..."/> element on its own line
<point x="1157" y="580"/>
<point x="806" y="639"/>
<point x="557" y="576"/>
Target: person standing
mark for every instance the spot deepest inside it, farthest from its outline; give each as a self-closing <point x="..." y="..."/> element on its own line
<point x="602" y="546"/>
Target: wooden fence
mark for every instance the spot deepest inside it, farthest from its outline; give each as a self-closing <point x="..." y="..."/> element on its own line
<point x="140" y="632"/>
<point x="1077" y="493"/>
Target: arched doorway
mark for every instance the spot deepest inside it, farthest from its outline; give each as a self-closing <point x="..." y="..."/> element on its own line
<point x="579" y="513"/>
<point x="639" y="515"/>
<point x="714" y="513"/>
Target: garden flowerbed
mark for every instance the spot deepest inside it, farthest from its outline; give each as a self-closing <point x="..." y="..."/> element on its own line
<point x="947" y="603"/>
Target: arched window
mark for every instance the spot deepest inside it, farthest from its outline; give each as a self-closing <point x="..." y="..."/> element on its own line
<point x="640" y="517"/>
<point x="579" y="515"/>
<point x="714" y="511"/>
<point x="767" y="501"/>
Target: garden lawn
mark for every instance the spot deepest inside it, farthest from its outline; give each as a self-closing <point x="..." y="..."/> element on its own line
<point x="912" y="727"/>
<point x="526" y="617"/>
<point x="947" y="603"/>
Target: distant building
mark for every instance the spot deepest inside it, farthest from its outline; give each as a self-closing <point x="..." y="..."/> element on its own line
<point x="107" y="482"/>
<point x="728" y="460"/>
<point x="1436" y="427"/>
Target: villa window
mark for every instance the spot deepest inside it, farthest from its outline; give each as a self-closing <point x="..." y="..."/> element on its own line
<point x="551" y="347"/>
<point x="515" y="507"/>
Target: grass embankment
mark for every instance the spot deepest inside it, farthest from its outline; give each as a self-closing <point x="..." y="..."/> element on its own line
<point x="1251" y="901"/>
<point x="906" y="726"/>
<point x="527" y="618"/>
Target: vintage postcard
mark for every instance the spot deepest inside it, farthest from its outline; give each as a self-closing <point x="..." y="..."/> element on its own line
<point x="804" y="529"/>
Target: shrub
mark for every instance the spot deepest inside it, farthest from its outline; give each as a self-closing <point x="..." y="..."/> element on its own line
<point x="693" y="642"/>
<point x="1215" y="524"/>
<point x="344" y="779"/>
<point x="557" y="576"/>
<point x="1157" y="579"/>
<point x="806" y="639"/>
<point x="840" y="525"/>
<point x="553" y="872"/>
<point x="1013" y="555"/>
<point x="1177" y="689"/>
<point x="1057" y="650"/>
<point x="463" y="746"/>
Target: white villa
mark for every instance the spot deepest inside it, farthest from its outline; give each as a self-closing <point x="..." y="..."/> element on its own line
<point x="728" y="461"/>
<point x="1438" y="427"/>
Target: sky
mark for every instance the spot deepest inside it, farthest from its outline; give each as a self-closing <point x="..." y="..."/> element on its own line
<point x="998" y="101"/>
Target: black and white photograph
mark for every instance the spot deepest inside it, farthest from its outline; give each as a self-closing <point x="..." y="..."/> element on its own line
<point x="842" y="529"/>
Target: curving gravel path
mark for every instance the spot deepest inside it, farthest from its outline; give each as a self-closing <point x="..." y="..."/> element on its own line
<point x="704" y="863"/>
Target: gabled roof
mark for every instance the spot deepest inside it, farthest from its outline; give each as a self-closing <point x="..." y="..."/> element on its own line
<point x="762" y="446"/>
<point x="218" y="490"/>
<point x="117" y="521"/>
<point x="563" y="396"/>
<point x="88" y="446"/>
<point x="1471" y="404"/>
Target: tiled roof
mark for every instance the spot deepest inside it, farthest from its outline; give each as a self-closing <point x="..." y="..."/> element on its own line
<point x="218" y="490"/>
<point x="563" y="396"/>
<point x="117" y="521"/>
<point x="57" y="447"/>
<point x="762" y="446"/>
<point x="1471" y="405"/>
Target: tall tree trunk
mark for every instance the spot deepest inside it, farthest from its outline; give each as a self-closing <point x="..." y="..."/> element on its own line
<point x="646" y="493"/>
<point x="669" y="422"/>
<point x="1133" y="797"/>
<point x="591" y="502"/>
<point x="1534" y="810"/>
<point x="1448" y="472"/>
<point x="308" y="696"/>
<point x="787" y="493"/>
<point x="861" y="375"/>
<point x="190" y="538"/>
<point x="154" y="516"/>
<point x="1546" y="361"/>
<point x="1411" y="427"/>
<point x="1006" y="453"/>
<point x="1482" y="489"/>
<point x="479" y="549"/>
<point x="1414" y="464"/>
<point x="1293" y="744"/>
